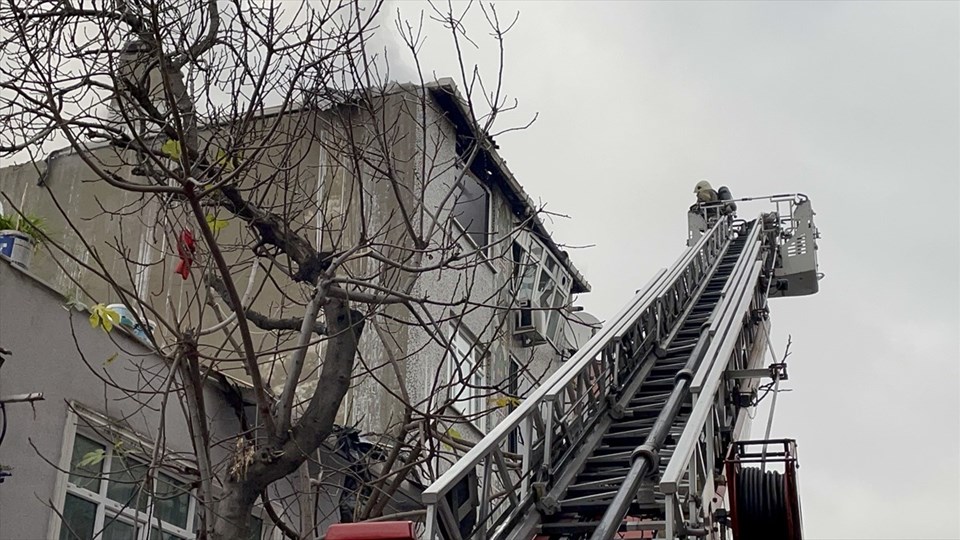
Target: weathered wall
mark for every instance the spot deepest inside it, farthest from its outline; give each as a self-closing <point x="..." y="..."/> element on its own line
<point x="68" y="186"/>
<point x="485" y="280"/>
<point x="120" y="229"/>
<point x="56" y="352"/>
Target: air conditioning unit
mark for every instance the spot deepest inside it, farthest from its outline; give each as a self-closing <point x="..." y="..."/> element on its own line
<point x="530" y="324"/>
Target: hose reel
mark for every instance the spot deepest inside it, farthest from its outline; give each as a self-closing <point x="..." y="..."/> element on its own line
<point x="764" y="504"/>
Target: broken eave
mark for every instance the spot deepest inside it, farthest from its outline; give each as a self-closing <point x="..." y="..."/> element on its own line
<point x="448" y="98"/>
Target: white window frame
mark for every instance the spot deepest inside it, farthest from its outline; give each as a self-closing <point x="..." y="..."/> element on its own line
<point x="561" y="278"/>
<point x="464" y="360"/>
<point x="144" y="520"/>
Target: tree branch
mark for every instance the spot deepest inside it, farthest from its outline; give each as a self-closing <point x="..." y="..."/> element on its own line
<point x="262" y="321"/>
<point x="275" y="231"/>
<point x="250" y="354"/>
<point x="295" y="367"/>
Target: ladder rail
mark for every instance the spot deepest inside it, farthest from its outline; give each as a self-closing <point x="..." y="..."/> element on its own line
<point x="741" y="282"/>
<point x="715" y="364"/>
<point x="747" y="293"/>
<point x="567" y="413"/>
<point x="575" y="400"/>
<point x="698" y="448"/>
<point x="645" y="457"/>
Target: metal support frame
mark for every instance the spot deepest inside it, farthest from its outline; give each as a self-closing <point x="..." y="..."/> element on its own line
<point x="773" y="371"/>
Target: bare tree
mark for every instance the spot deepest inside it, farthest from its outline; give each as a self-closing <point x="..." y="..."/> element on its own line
<point x="308" y="204"/>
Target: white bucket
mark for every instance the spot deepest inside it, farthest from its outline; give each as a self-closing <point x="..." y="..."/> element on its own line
<point x="127" y="320"/>
<point x="17" y="246"/>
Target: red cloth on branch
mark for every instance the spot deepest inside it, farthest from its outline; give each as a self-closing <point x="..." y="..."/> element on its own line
<point x="186" y="246"/>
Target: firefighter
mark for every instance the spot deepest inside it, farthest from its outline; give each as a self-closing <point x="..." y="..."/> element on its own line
<point x="705" y="193"/>
<point x="724" y="195"/>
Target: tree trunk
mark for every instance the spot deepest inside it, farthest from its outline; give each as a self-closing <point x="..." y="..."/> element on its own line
<point x="232" y="511"/>
<point x="231" y="514"/>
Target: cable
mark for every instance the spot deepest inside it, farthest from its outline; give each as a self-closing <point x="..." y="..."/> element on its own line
<point x="776" y="392"/>
<point x="3" y="430"/>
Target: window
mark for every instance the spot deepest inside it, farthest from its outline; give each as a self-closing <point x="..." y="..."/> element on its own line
<point x="466" y="376"/>
<point x="541" y="279"/>
<point x="471" y="209"/>
<point x="109" y="496"/>
<point x="513" y="389"/>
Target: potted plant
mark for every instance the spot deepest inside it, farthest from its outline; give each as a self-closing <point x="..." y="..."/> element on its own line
<point x="20" y="236"/>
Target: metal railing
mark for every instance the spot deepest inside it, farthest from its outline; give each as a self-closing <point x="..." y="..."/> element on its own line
<point x="784" y="207"/>
<point x="646" y="463"/>
<point x="736" y="343"/>
<point x="554" y="418"/>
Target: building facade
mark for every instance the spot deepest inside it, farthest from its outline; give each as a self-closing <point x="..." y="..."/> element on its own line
<point x="448" y="226"/>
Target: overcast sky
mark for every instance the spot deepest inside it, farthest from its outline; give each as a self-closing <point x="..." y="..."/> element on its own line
<point x="854" y="104"/>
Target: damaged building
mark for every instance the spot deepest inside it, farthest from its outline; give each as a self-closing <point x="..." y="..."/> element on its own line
<point x="497" y="316"/>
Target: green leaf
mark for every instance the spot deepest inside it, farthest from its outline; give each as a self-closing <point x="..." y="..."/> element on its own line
<point x="110" y="360"/>
<point x="453" y="434"/>
<point x="223" y="160"/>
<point x="506" y="401"/>
<point x="104" y="317"/>
<point x="92" y="458"/>
<point x="171" y="148"/>
<point x="216" y="225"/>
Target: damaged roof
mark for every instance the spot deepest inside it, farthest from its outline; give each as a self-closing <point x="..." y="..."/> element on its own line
<point x="445" y="92"/>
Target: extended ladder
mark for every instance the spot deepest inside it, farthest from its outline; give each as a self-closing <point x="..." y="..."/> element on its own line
<point x="631" y="434"/>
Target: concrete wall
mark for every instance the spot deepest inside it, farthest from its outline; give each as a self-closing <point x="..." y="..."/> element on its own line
<point x="55" y="351"/>
<point x="485" y="278"/>
<point x="68" y="186"/>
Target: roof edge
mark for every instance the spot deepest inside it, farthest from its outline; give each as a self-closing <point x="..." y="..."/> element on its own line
<point x="449" y="98"/>
<point x="446" y="94"/>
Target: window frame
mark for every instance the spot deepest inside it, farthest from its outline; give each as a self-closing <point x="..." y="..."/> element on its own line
<point x="466" y="398"/>
<point x="536" y="256"/>
<point x="463" y="229"/>
<point x="107" y="508"/>
<point x="85" y="422"/>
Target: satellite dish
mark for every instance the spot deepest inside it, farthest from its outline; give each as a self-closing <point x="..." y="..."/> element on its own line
<point x="580" y="327"/>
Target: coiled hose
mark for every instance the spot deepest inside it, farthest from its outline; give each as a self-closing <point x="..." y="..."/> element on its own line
<point x="763" y="511"/>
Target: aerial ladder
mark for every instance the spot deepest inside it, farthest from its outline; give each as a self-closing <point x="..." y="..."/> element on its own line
<point x="643" y="432"/>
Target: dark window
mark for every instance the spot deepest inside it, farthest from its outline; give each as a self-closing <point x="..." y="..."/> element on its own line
<point x="513" y="389"/>
<point x="78" y="518"/>
<point x="256" y="528"/>
<point x="471" y="209"/>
